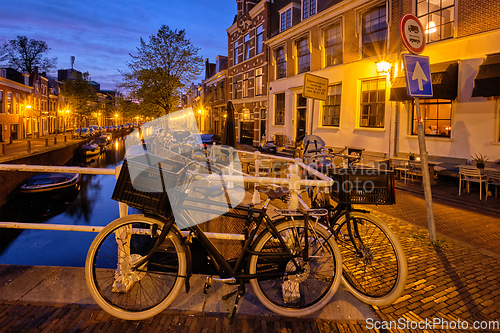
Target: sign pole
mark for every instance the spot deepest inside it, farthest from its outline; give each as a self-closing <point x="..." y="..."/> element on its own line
<point x="425" y="174"/>
<point x="312" y="117"/>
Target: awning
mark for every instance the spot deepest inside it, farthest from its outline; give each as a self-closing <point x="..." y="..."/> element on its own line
<point x="444" y="83"/>
<point x="487" y="81"/>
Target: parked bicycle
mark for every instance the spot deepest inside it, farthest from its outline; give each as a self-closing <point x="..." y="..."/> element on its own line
<point x="374" y="264"/>
<point x="138" y="264"/>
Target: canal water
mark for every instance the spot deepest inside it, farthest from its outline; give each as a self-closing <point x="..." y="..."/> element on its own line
<point x="90" y="205"/>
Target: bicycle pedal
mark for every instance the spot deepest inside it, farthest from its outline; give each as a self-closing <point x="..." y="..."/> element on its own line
<point x="189" y="239"/>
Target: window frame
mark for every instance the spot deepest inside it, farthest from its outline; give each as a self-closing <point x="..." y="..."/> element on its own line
<point x="308" y="9"/>
<point x="2" y="102"/>
<point x="285" y="16"/>
<point x="235" y="88"/>
<point x="379" y="105"/>
<point x="425" y="120"/>
<point x="258" y="81"/>
<point x="245" y="85"/>
<point x="9" y="108"/>
<point x="370" y="49"/>
<point x="424" y="19"/>
<point x="235" y="53"/>
<point x="337" y="98"/>
<point x="298" y="48"/>
<point x="279" y="106"/>
<point x="246" y="47"/>
<point x="280" y="62"/>
<point x="326" y="46"/>
<point x="259" y="39"/>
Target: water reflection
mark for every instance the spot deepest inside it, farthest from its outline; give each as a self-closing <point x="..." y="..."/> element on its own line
<point x="91" y="205"/>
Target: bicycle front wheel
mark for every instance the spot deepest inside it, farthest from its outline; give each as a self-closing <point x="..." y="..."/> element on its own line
<point x="300" y="294"/>
<point x="135" y="293"/>
<point x="374" y="270"/>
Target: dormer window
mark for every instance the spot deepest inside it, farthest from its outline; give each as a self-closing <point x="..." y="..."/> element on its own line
<point x="286" y="19"/>
<point x="308" y="8"/>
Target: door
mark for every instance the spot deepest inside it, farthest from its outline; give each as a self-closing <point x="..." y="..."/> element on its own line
<point x="246" y="132"/>
<point x="14" y="131"/>
<point x="301" y="117"/>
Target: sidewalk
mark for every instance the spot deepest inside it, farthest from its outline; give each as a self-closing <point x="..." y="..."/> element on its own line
<point x="18" y="148"/>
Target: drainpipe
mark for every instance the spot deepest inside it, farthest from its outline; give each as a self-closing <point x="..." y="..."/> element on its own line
<point x="398" y="104"/>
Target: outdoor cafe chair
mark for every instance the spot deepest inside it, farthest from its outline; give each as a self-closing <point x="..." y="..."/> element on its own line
<point x="493" y="178"/>
<point x="471" y="175"/>
<point x="401" y="166"/>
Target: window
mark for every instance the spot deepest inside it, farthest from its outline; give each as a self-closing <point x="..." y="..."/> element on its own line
<point x="437" y="17"/>
<point x="245" y="85"/>
<point x="372" y="103"/>
<point x="246" y="47"/>
<point x="235" y="53"/>
<point x="235" y="88"/>
<point x="9" y="102"/>
<point x="308" y="8"/>
<point x="18" y="103"/>
<point x="279" y="55"/>
<point x="222" y="94"/>
<point x="1" y="102"/>
<point x="333" y="45"/>
<point x="260" y="39"/>
<point x="331" y="108"/>
<point x="258" y="81"/>
<point x="286" y="19"/>
<point x="303" y="55"/>
<point x="279" y="109"/>
<point x="374" y="32"/>
<point x="436" y="117"/>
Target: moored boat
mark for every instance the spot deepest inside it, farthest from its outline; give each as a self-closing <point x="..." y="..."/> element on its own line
<point x="47" y="182"/>
<point x="90" y="149"/>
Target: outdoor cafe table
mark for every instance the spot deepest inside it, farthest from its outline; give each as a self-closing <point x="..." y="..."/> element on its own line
<point x="432" y="164"/>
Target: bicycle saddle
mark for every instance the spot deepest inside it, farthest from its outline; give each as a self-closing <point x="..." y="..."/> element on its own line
<point x="273" y="193"/>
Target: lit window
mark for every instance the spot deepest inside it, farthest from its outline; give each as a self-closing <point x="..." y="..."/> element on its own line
<point x="374" y="32"/>
<point x="245" y="85"/>
<point x="258" y="81"/>
<point x="260" y="40"/>
<point x="280" y="63"/>
<point x="437" y="17"/>
<point x="331" y="108"/>
<point x="18" y="102"/>
<point x="436" y="117"/>
<point x="246" y="47"/>
<point x="235" y="88"/>
<point x="279" y="109"/>
<point x="235" y="53"/>
<point x="303" y="56"/>
<point x="1" y="102"/>
<point x="372" y="103"/>
<point x="9" y="102"/>
<point x="333" y="45"/>
<point x="222" y="94"/>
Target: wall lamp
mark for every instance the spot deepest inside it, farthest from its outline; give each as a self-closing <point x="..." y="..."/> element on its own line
<point x="383" y="67"/>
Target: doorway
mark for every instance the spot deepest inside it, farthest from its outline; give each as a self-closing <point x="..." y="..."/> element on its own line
<point x="300" y="131"/>
<point x="14" y="131"/>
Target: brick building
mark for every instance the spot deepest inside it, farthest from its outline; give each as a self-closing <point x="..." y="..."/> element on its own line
<point x="14" y="99"/>
<point x="216" y="89"/>
<point x="344" y="40"/>
<point x="247" y="68"/>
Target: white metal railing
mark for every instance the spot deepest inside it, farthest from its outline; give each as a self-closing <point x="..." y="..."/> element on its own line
<point x="293" y="182"/>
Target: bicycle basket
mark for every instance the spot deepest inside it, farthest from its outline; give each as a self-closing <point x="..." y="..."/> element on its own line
<point x="147" y="192"/>
<point x="363" y="186"/>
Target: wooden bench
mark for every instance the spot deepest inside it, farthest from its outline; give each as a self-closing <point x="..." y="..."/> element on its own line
<point x="448" y="166"/>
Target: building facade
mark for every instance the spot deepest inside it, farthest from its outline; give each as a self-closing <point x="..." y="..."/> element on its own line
<point x="15" y="93"/>
<point x="344" y="40"/>
<point x="216" y="96"/>
<point x="247" y="68"/>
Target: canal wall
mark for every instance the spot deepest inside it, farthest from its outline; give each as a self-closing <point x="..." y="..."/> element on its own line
<point x="10" y="180"/>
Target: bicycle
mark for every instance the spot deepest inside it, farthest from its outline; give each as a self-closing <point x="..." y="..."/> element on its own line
<point x="374" y="265"/>
<point x="137" y="265"/>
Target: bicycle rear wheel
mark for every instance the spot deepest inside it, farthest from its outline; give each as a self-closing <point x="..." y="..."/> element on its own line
<point x="375" y="273"/>
<point x="296" y="294"/>
<point x="135" y="294"/>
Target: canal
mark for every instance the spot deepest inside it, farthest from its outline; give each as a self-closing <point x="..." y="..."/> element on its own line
<point x="90" y="205"/>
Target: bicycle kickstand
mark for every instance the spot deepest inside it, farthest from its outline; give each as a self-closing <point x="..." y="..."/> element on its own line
<point x="241" y="293"/>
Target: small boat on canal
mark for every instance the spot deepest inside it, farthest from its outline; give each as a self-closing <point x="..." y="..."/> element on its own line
<point x="51" y="182"/>
<point x="90" y="149"/>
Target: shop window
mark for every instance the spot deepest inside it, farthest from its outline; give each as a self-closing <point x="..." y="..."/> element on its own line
<point x="436" y="117"/>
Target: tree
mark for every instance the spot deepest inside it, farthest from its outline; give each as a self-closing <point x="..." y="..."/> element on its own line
<point x="161" y="68"/>
<point x="80" y="95"/>
<point x="25" y="54"/>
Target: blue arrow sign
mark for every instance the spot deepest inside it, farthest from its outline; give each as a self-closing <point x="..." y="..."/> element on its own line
<point x="418" y="75"/>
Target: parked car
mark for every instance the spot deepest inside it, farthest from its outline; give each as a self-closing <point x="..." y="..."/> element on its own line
<point x="95" y="129"/>
<point x="85" y="132"/>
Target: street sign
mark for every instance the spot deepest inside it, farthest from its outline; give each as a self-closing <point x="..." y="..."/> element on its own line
<point x="418" y="75"/>
<point x="315" y="87"/>
<point x="411" y="32"/>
